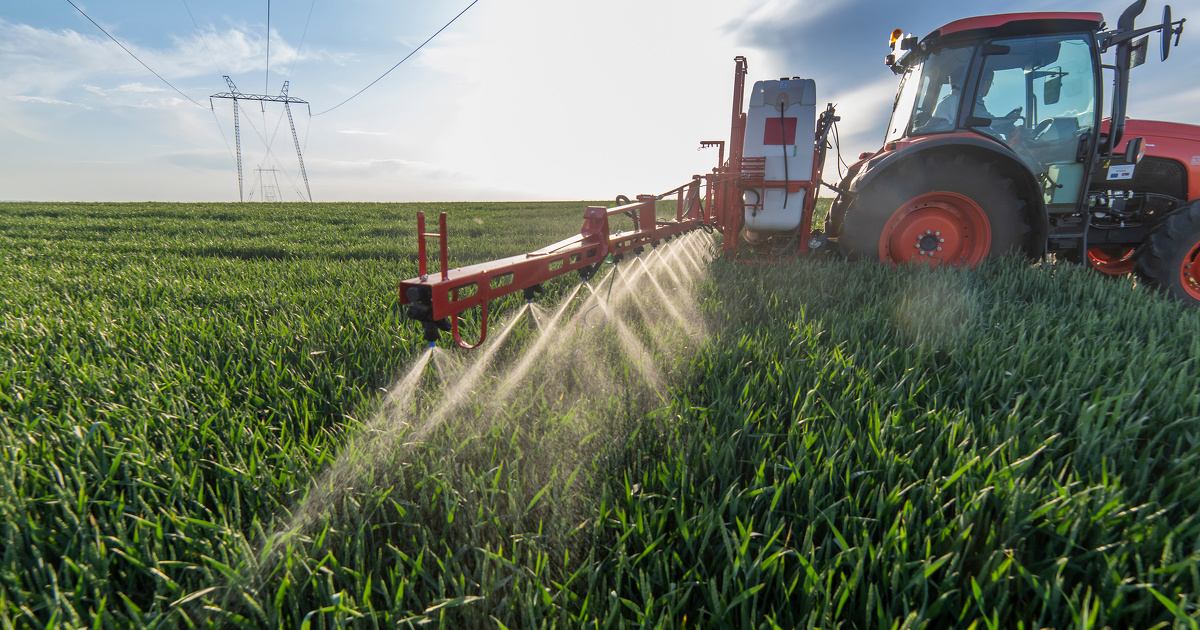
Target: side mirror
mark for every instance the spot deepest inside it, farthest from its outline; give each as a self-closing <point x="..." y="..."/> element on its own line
<point x="1135" y="150"/>
<point x="1167" y="31"/>
<point x="1053" y="89"/>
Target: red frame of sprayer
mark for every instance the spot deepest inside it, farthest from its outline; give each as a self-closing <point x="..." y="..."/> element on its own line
<point x="457" y="290"/>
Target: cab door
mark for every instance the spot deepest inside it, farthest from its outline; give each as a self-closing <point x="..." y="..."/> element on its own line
<point x="1042" y="103"/>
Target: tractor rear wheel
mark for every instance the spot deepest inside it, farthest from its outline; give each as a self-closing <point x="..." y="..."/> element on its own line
<point x="938" y="211"/>
<point x="1169" y="258"/>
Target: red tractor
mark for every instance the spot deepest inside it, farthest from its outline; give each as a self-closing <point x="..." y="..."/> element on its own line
<point x="997" y="144"/>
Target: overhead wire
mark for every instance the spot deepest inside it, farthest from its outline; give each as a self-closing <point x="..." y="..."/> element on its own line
<point x="303" y="35"/>
<point x="217" y="67"/>
<point x="292" y="70"/>
<point x="399" y="62"/>
<point x="160" y="77"/>
<point x="222" y="130"/>
<point x="267" y="71"/>
<point x="270" y="154"/>
<point x="203" y="39"/>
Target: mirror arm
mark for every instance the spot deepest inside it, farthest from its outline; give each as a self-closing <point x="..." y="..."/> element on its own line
<point x="1113" y="38"/>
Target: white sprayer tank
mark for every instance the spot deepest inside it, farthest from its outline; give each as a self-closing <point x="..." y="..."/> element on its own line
<point x="781" y="127"/>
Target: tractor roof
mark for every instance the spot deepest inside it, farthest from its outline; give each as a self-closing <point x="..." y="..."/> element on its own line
<point x="1020" y="24"/>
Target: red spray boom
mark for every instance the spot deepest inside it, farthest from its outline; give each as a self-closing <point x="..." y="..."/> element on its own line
<point x="751" y="192"/>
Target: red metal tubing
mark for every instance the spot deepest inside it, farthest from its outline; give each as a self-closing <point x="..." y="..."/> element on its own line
<point x="445" y="257"/>
<point x="496" y="279"/>
<point x="739" y="89"/>
<point x="421" y="264"/>
<point x="483" y="321"/>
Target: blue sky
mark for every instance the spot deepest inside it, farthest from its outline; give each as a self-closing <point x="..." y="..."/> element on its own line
<point x="517" y="100"/>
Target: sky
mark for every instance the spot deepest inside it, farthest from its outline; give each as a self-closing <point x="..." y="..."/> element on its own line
<point x="517" y="100"/>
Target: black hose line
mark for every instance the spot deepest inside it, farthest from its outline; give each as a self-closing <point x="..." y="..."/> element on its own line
<point x="783" y="141"/>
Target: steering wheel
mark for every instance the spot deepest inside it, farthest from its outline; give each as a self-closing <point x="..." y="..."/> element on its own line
<point x="1032" y="136"/>
<point x="1040" y="129"/>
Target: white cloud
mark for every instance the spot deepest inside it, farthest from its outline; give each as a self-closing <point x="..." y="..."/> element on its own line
<point x="41" y="99"/>
<point x="524" y="99"/>
<point x="139" y="87"/>
<point x="49" y="62"/>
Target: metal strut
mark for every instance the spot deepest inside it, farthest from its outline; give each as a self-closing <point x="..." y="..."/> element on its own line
<point x="237" y="138"/>
<point x="287" y="107"/>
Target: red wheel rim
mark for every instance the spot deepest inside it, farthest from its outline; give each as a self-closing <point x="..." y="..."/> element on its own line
<point x="935" y="229"/>
<point x="1114" y="261"/>
<point x="1188" y="272"/>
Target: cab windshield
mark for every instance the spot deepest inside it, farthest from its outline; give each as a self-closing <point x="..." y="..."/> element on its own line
<point x="929" y="94"/>
<point x="1037" y="95"/>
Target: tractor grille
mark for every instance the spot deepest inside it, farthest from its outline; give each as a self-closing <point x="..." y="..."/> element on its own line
<point x="1157" y="175"/>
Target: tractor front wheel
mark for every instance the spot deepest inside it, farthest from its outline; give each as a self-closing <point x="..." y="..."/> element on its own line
<point x="938" y="211"/>
<point x="1169" y="258"/>
<point x="1113" y="261"/>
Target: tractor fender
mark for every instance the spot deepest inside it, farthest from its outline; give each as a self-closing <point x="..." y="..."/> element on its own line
<point x="980" y="147"/>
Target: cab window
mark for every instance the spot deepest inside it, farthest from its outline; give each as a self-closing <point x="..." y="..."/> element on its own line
<point x="1037" y="95"/>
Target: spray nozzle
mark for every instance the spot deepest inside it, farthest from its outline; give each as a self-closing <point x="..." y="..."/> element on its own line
<point x="531" y="292"/>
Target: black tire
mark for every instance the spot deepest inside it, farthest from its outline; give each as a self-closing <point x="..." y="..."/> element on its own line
<point x="1170" y="252"/>
<point x="993" y="193"/>
<point x="837" y="211"/>
<point x="837" y="216"/>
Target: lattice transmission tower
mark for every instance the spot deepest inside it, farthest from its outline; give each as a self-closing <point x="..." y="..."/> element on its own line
<point x="287" y="101"/>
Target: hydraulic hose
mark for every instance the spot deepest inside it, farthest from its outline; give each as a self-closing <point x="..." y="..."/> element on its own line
<point x="783" y="143"/>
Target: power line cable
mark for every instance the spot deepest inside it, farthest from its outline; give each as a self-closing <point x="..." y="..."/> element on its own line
<point x="262" y="135"/>
<point x="216" y="66"/>
<point x="303" y="35"/>
<point x="267" y="78"/>
<point x="222" y="130"/>
<point x="160" y="78"/>
<point x="203" y="39"/>
<point x="398" y="63"/>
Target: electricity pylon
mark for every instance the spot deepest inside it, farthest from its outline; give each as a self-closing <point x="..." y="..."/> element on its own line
<point x="287" y="101"/>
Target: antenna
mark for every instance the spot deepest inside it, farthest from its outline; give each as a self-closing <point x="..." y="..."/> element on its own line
<point x="283" y="97"/>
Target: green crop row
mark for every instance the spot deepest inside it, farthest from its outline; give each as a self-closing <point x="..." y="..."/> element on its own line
<point x="173" y="377"/>
<point x="1002" y="448"/>
<point x="216" y="416"/>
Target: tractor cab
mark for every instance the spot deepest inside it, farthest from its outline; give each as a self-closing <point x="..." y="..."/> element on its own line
<point x="1029" y="82"/>
<point x="998" y="144"/>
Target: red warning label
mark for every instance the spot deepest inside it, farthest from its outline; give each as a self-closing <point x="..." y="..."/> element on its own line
<point x="776" y="133"/>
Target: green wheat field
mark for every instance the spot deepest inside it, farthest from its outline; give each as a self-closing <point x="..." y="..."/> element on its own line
<point x="217" y="416"/>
